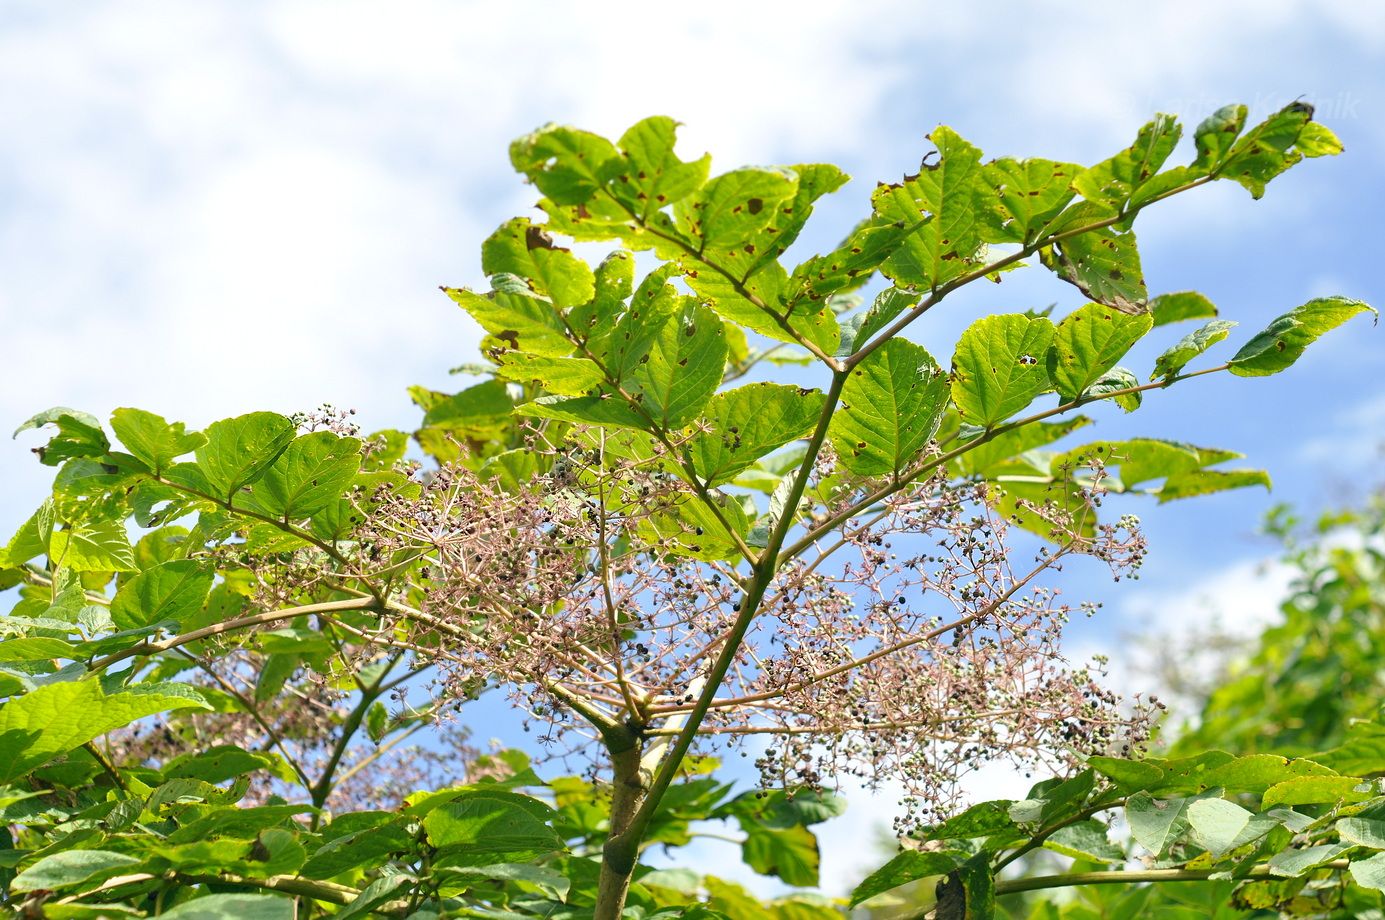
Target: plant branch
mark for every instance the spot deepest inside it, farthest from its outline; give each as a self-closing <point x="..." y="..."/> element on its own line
<point x="1135" y="876"/>
<point x="206" y="632"/>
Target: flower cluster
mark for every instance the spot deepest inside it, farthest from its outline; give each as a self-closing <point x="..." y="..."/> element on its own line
<point x="906" y="645"/>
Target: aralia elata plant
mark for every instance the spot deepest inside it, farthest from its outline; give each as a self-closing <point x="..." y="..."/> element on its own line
<point x="653" y="558"/>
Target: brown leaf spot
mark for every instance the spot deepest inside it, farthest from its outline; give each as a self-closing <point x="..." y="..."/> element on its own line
<point x="536" y="238"/>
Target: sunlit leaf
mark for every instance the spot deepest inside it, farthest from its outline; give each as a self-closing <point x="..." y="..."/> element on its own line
<point x="1285" y="339"/>
<point x="998" y="367"/>
<point x="749" y="422"/>
<point x="942" y="202"/>
<point x="1088" y="343"/>
<point x="891" y="405"/>
<point x="56" y="718"/>
<point x="239" y="450"/>
<point x="1172" y="361"/>
<point x="173" y="590"/>
<point x="527" y="251"/>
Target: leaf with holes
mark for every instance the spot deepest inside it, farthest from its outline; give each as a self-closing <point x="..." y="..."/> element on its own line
<point x="940" y="203"/>
<point x="1088" y="343"/>
<point x="891" y="405"/>
<point x="1102" y="264"/>
<point x="998" y="367"/>
<point x="745" y="424"/>
<point x="1284" y="340"/>
<point x="524" y="250"/>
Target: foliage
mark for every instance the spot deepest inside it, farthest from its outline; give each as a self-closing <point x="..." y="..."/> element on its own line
<point x="654" y="561"/>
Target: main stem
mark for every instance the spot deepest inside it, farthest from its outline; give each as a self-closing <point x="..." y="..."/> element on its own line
<point x="622" y="848"/>
<point x="630" y="794"/>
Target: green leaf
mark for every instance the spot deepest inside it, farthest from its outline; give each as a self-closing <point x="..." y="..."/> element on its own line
<point x="1171" y="362"/>
<point x="1216" y="134"/>
<point x="35" y="648"/>
<point x="980" y="820"/>
<point x="1130" y="775"/>
<point x="527" y="251"/>
<point x="1361" y="753"/>
<point x="492" y="827"/>
<point x="1317" y="140"/>
<point x="1257" y="772"/>
<point x="169" y="591"/>
<point x="518" y="319"/>
<point x="969" y="892"/>
<point x="681" y="368"/>
<point x="812" y="322"/>
<point x="564" y="163"/>
<point x="1366" y="832"/>
<point x="779" y="808"/>
<point x="790" y="853"/>
<point x="1176" y="307"/>
<point x="734" y="206"/>
<point x="71" y="868"/>
<point x="357" y="845"/>
<point x="1369" y="873"/>
<point x="1285" y="339"/>
<point x="1293" y="863"/>
<point x="859" y="329"/>
<point x="1268" y="149"/>
<point x="758" y="258"/>
<point x="1205" y="482"/>
<point x="79" y="435"/>
<point x="1102" y="264"/>
<point x="942" y="202"/>
<point x="615" y="281"/>
<point x="1314" y="790"/>
<point x="908" y="866"/>
<point x="33" y="538"/>
<point x="850" y="265"/>
<point x="891" y="405"/>
<point x="745" y="424"/>
<point x="691" y="529"/>
<point x="550" y="881"/>
<point x="1217" y="824"/>
<point x="1115" y="181"/>
<point x="239" y="450"/>
<point x="224" y="762"/>
<point x="1156" y="823"/>
<point x="1144" y="459"/>
<point x="1018" y="198"/>
<point x="1085" y="840"/>
<point x="56" y="718"/>
<point x="560" y="376"/>
<point x="311" y="473"/>
<point x="987" y="456"/>
<point x="375" y="895"/>
<point x="153" y="441"/>
<point x="93" y="546"/>
<point x="998" y="367"/>
<point x="233" y="907"/>
<point x="648" y="175"/>
<point x="1088" y="343"/>
<point x="606" y="410"/>
<point x="483" y="408"/>
<point x="1116" y="380"/>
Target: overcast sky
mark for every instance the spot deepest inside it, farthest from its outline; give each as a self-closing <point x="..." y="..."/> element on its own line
<point x="216" y="207"/>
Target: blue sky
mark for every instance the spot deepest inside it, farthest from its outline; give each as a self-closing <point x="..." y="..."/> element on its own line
<point x="217" y="207"/>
